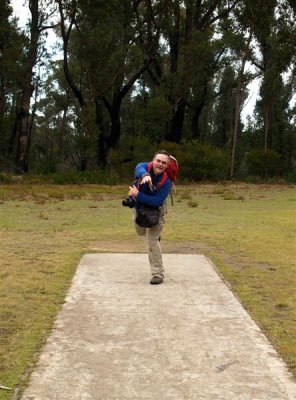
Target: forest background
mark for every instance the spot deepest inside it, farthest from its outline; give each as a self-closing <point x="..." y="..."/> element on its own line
<point x="128" y="77"/>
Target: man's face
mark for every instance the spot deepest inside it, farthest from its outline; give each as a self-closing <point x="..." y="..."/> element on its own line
<point x="160" y="163"/>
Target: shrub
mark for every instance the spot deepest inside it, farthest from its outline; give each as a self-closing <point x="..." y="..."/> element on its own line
<point x="196" y="161"/>
<point x="108" y="177"/>
<point x="203" y="162"/>
<point x="263" y="163"/>
<point x="5" y="178"/>
<point x="127" y="154"/>
<point x="291" y="176"/>
<point x="192" y="203"/>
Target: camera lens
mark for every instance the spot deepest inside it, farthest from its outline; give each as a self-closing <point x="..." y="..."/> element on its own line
<point x="128" y="203"/>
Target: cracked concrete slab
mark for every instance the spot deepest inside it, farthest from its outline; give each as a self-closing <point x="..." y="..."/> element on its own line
<point x="119" y="338"/>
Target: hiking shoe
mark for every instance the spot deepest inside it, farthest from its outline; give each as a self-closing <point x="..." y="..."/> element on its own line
<point x="156" y="280"/>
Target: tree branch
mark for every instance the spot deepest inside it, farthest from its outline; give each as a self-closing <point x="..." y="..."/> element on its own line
<point x="43" y="28"/>
<point x="66" y="36"/>
<point x="107" y="104"/>
<point x="134" y="77"/>
<point x="206" y="19"/>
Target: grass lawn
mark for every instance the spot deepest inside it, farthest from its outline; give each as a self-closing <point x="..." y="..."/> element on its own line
<point x="248" y="231"/>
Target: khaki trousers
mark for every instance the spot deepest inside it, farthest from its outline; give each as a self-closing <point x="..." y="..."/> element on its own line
<point x="153" y="241"/>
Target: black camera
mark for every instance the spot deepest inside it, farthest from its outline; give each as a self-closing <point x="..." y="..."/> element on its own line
<point x="128" y="202"/>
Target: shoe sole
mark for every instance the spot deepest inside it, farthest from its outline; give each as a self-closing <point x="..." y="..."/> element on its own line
<point x="156" y="282"/>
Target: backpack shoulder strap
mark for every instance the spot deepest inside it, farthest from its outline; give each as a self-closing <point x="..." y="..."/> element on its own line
<point x="163" y="179"/>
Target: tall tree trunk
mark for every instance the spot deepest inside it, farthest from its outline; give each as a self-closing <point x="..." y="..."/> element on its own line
<point x="24" y="129"/>
<point x="238" y="101"/>
<point x="66" y="32"/>
<point x="63" y="127"/>
<point x="118" y="94"/>
<point x="101" y="146"/>
<point x="13" y="135"/>
<point x="174" y="42"/>
<point x="2" y="113"/>
<point x="195" y="130"/>
<point x="115" y="121"/>
<point x="266" y="119"/>
<point x="177" y="122"/>
<point x="197" y="19"/>
<point x="24" y="110"/>
<point x="179" y="108"/>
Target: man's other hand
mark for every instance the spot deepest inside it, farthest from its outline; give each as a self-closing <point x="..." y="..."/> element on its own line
<point x="133" y="191"/>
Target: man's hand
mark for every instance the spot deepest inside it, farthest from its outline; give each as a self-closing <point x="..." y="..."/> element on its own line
<point x="133" y="191"/>
<point x="146" y="179"/>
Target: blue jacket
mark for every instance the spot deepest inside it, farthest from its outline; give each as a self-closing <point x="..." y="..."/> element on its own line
<point x="151" y="197"/>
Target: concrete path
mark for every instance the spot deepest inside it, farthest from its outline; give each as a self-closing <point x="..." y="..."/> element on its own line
<point x="119" y="338"/>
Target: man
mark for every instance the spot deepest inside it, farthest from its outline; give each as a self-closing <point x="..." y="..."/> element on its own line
<point x="151" y="193"/>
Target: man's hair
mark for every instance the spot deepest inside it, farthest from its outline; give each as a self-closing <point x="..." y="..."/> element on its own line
<point x="166" y="153"/>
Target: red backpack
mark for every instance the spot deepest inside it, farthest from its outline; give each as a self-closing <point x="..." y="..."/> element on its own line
<point x="171" y="171"/>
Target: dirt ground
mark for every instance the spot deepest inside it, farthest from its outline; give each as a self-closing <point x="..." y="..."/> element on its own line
<point x="138" y="245"/>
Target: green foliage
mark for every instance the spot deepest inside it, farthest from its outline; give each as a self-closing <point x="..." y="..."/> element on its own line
<point x="4" y="178"/>
<point x="291" y="176"/>
<point x="264" y="163"/>
<point x="202" y="162"/>
<point x="12" y="51"/>
<point x="196" y="161"/>
<point x="128" y="153"/>
<point x="224" y="111"/>
<point x="108" y="177"/>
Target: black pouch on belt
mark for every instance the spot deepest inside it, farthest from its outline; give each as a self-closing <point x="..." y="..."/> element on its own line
<point x="147" y="217"/>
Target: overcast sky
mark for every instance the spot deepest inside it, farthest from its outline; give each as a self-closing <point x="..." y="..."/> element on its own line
<point x="20" y="11"/>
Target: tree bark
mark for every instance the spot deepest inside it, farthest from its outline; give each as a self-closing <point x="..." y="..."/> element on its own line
<point x="63" y="128"/>
<point x="114" y="108"/>
<point x="174" y="42"/>
<point x="66" y="36"/>
<point x="2" y="113"/>
<point x="266" y="125"/>
<point x="101" y="149"/>
<point x="177" y="122"/>
<point x="73" y="86"/>
<point x="175" y="133"/>
<point x="238" y="101"/>
<point x="196" y="19"/>
<point x="13" y="134"/>
<point x="195" y="131"/>
<point x="24" y="110"/>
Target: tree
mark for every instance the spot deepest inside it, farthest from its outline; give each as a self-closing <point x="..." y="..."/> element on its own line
<point x="11" y="49"/>
<point x="143" y="70"/>
<point x="275" y="31"/>
<point x="40" y="14"/>
<point x="56" y="141"/>
<point x="238" y="100"/>
<point x="195" y="63"/>
<point x="225" y="110"/>
<point x="111" y="70"/>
